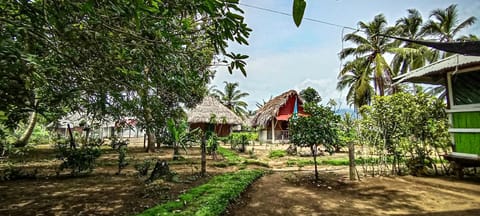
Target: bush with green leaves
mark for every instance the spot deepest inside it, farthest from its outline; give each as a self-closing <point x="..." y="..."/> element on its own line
<point x="143" y="167"/>
<point x="77" y="160"/>
<point x="320" y="127"/>
<point x="408" y="129"/>
<point x="209" y="199"/>
<point x="242" y="139"/>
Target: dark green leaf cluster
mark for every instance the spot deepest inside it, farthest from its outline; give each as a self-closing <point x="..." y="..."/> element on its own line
<point x="310" y="95"/>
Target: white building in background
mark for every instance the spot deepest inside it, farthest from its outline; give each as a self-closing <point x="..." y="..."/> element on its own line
<point x="104" y="129"/>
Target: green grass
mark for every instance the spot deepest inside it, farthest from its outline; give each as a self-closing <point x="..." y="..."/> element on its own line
<point x="231" y="157"/>
<point x="256" y="162"/>
<point x="208" y="199"/>
<point x="277" y="154"/>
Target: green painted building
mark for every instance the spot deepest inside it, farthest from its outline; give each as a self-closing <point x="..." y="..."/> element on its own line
<point x="460" y="74"/>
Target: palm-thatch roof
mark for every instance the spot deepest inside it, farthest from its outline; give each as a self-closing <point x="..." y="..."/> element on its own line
<point x="271" y="108"/>
<point x="210" y="107"/>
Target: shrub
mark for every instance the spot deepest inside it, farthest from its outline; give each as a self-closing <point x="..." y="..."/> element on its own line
<point x="277" y="154"/>
<point x="143" y="167"/>
<point x="122" y="158"/>
<point x="242" y="139"/>
<point x="208" y="199"/>
<point x="81" y="160"/>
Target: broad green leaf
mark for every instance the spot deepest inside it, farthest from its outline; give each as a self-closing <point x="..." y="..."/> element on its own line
<point x="298" y="11"/>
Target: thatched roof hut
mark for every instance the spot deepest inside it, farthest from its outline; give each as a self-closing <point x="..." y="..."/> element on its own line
<point x="209" y="108"/>
<point x="272" y="107"/>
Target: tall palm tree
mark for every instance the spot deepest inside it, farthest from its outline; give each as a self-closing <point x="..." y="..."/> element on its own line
<point x="446" y="24"/>
<point x="410" y="56"/>
<point x="371" y="46"/>
<point x="356" y="75"/>
<point x="231" y="98"/>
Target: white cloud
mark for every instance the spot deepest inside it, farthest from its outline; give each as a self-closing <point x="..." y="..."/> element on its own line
<point x="284" y="57"/>
<point x="272" y="74"/>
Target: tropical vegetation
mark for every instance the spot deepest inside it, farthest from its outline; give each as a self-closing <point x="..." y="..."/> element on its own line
<point x="231" y="97"/>
<point x="367" y="72"/>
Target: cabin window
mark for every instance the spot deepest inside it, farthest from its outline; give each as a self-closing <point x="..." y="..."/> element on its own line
<point x="466" y="88"/>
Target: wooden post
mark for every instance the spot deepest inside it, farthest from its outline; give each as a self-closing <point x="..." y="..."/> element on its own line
<point x="351" y="158"/>
<point x="204" y="151"/>
<point x="273" y="130"/>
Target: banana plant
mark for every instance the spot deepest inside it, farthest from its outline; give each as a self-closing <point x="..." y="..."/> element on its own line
<point x="180" y="136"/>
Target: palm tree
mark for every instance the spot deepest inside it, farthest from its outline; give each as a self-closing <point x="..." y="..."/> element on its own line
<point x="371" y="47"/>
<point x="231" y="98"/>
<point x="410" y="56"/>
<point x="470" y="37"/>
<point x="446" y="24"/>
<point x="356" y="75"/>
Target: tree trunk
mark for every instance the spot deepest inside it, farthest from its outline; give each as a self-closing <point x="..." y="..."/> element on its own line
<point x="314" y="153"/>
<point x="149" y="130"/>
<point x="23" y="141"/>
<point x="176" y="152"/>
<point x="351" y="159"/>
<point x="150" y="141"/>
<point x="204" y="155"/>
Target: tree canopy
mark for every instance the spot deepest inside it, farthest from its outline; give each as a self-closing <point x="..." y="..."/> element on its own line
<point x="117" y="58"/>
<point x="310" y="95"/>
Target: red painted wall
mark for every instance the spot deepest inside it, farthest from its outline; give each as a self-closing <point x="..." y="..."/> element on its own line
<point x="288" y="107"/>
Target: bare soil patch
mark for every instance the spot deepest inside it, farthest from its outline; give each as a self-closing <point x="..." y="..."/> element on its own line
<point x="102" y="192"/>
<point x="296" y="193"/>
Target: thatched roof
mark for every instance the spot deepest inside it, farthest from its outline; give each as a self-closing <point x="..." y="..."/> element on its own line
<point x="271" y="108"/>
<point x="209" y="107"/>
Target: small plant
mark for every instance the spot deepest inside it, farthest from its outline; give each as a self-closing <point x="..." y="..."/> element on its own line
<point x="143" y="167"/>
<point x="122" y="158"/>
<point x="251" y="154"/>
<point x="81" y="160"/>
<point x="277" y="154"/>
<point x="212" y="145"/>
<point x="241" y="140"/>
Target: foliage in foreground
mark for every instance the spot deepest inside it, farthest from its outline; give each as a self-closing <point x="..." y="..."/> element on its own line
<point x="209" y="199"/>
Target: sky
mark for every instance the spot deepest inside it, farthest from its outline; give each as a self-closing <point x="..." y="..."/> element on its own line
<point x="284" y="57"/>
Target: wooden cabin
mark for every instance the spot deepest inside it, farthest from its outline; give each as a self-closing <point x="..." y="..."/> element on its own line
<point x="272" y="118"/>
<point x="460" y="74"/>
<point x="211" y="111"/>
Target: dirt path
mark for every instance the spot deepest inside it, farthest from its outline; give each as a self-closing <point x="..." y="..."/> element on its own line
<point x="294" y="193"/>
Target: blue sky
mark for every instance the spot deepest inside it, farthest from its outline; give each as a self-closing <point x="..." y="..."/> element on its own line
<point x="284" y="57"/>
